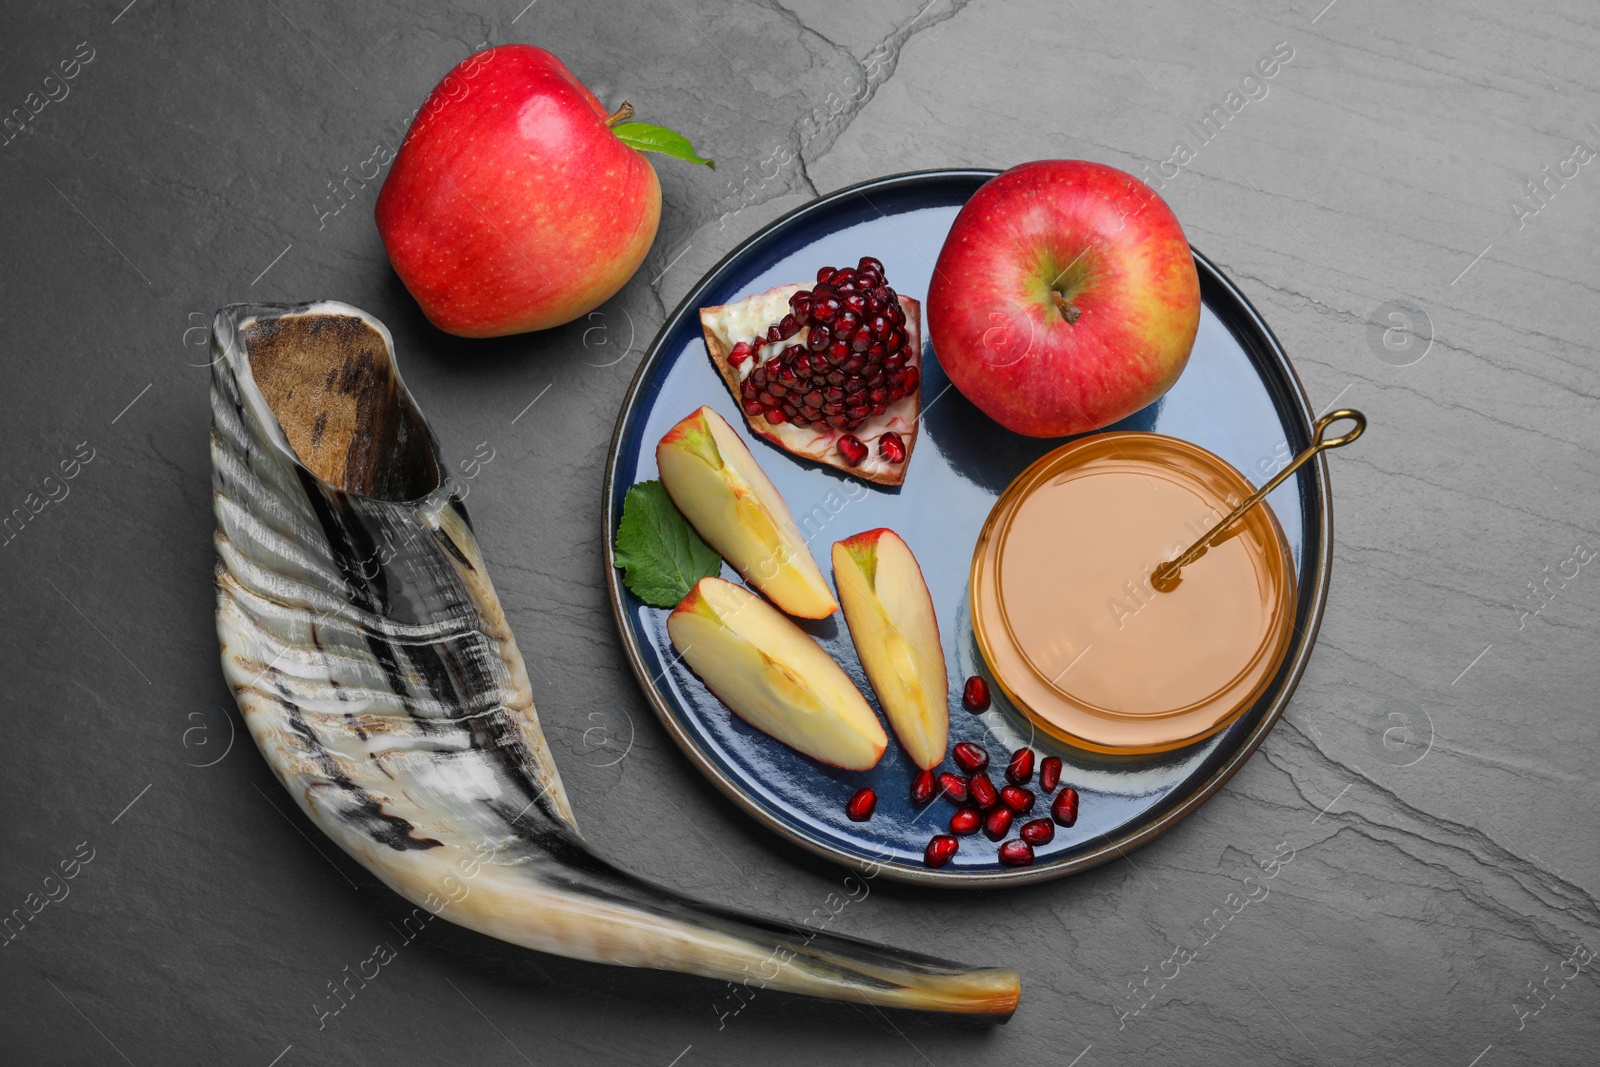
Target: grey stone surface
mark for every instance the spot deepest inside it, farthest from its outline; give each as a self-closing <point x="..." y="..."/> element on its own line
<point x="1444" y="863"/>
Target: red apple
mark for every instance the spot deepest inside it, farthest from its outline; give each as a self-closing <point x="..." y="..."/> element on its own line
<point x="516" y="202"/>
<point x="1065" y="298"/>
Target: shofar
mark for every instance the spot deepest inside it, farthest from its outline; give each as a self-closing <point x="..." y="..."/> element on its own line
<point x="374" y="667"/>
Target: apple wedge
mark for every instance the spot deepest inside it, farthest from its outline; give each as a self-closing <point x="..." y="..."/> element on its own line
<point x="774" y="676"/>
<point x="890" y="614"/>
<point x="727" y="497"/>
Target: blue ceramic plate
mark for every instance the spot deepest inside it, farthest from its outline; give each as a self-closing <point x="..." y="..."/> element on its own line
<point x="1238" y="397"/>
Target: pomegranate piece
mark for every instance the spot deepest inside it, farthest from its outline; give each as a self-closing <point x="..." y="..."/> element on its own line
<point x="1065" y="808"/>
<point x="975" y="695"/>
<point x="1017" y="798"/>
<point x="1020" y="769"/>
<point x="965" y="821"/>
<point x="831" y="372"/>
<point x="1016" y="854"/>
<point x="970" y="757"/>
<point x="1038" y="832"/>
<point x="953" y="787"/>
<point x="998" y="823"/>
<point x="861" y="805"/>
<point x="923" y="788"/>
<point x="1049" y="773"/>
<point x="982" y="791"/>
<point x="939" y="850"/>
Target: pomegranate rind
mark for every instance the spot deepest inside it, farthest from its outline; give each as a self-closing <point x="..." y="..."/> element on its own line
<point x="809" y="442"/>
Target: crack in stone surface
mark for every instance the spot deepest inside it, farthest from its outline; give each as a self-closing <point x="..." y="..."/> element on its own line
<point x="895" y="42"/>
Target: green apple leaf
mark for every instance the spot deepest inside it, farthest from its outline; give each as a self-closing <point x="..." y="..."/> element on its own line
<point x="648" y="138"/>
<point x="660" y="554"/>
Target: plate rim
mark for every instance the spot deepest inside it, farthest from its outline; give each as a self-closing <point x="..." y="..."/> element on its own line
<point x="1110" y="848"/>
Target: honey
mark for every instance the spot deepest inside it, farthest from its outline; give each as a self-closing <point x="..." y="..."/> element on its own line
<point x="1072" y="627"/>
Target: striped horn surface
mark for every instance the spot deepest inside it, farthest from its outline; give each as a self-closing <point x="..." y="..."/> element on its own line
<point x="374" y="667"/>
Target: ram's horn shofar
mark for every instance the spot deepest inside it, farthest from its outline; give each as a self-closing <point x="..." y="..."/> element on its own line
<point x="375" y="669"/>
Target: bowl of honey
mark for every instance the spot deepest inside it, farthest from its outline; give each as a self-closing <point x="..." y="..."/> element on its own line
<point x="1075" y="628"/>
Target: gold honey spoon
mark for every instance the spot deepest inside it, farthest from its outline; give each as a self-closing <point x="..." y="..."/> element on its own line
<point x="1166" y="577"/>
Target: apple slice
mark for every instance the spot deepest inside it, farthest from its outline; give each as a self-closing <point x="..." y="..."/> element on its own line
<point x="890" y="613"/>
<point x="851" y="403"/>
<point x="727" y="497"/>
<point x="774" y="676"/>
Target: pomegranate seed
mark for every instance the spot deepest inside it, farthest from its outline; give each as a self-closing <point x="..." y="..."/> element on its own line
<point x="970" y="757"/>
<point x="998" y="823"/>
<point x="965" y="821"/>
<point x="861" y="805"/>
<point x="975" y="695"/>
<point x="922" y="788"/>
<point x="1016" y="854"/>
<point x="1065" y="808"/>
<point x="852" y="322"/>
<point x="1038" y="832"/>
<point x="982" y="791"/>
<point x="1020" y="769"/>
<point x="1049" y="773"/>
<point x="953" y="787"/>
<point x="1016" y="798"/>
<point x="939" y="850"/>
<point x="850" y="446"/>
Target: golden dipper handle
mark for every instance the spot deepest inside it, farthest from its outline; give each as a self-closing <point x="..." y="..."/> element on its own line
<point x="1166" y="577"/>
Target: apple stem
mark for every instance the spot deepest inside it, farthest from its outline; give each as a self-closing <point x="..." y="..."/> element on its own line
<point x="622" y="114"/>
<point x="1068" y="309"/>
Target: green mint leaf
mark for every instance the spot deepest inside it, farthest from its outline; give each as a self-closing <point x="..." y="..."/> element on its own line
<point x="648" y="138"/>
<point x="660" y="554"/>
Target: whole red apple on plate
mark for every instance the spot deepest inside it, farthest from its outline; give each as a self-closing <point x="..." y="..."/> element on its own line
<point x="1065" y="298"/>
<point x="516" y="201"/>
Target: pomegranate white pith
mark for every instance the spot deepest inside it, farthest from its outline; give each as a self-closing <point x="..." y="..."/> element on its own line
<point x="848" y="397"/>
